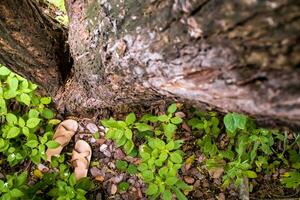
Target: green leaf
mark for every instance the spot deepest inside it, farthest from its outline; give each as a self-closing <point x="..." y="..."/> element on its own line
<point x="32" y="143"/>
<point x="167" y="195"/>
<point x="147" y="175"/>
<point x="25" y="98"/>
<point x="130" y="119"/>
<point x="176" y="157"/>
<point x="3" y="108"/>
<point x="11" y="119"/>
<point x="170" y="146"/>
<point x="128" y="147"/>
<point x="179" y="194"/>
<point x="13" y="83"/>
<point x="250" y="174"/>
<point x="176" y="120"/>
<point x="33" y="113"/>
<point x="13" y="132"/>
<point x="123" y="186"/>
<point x="85" y="183"/>
<point x="4" y="71"/>
<point x="54" y="121"/>
<point x="128" y="134"/>
<point x="132" y="169"/>
<point x="16" y="193"/>
<point x="21" y="122"/>
<point x="52" y="144"/>
<point x="233" y="121"/>
<point x="143" y="127"/>
<point x="121" y="165"/>
<point x="145" y="156"/>
<point x="72" y="180"/>
<point x="171" y="180"/>
<point x="152" y="189"/>
<point x="32" y="122"/>
<point x="47" y="113"/>
<point x="169" y="130"/>
<point x="163" y="118"/>
<point x="172" y="108"/>
<point x="45" y="100"/>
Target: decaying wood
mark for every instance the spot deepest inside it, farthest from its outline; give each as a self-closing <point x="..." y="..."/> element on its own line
<point x="239" y="55"/>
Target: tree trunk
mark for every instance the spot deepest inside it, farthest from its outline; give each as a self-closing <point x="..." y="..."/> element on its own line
<point x="240" y="56"/>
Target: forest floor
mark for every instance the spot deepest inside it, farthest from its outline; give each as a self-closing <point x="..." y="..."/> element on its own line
<point x="206" y="184"/>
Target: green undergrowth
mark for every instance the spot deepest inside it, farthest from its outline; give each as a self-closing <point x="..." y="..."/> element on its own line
<point x="231" y="144"/>
<point x="27" y="126"/>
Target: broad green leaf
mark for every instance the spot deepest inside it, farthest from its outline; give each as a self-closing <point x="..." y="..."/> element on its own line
<point x="4" y="71"/>
<point x="121" y="165"/>
<point x="54" y="121"/>
<point x="16" y="193"/>
<point x="163" y="118"/>
<point x="128" y="147"/>
<point x="176" y="157"/>
<point x="32" y="122"/>
<point x="132" y="169"/>
<point x="130" y="119"/>
<point x="72" y="180"/>
<point x="21" y="179"/>
<point x="13" y="132"/>
<point x="11" y="119"/>
<point x="123" y="186"/>
<point x="52" y="144"/>
<point x="3" y="108"/>
<point x="233" y="121"/>
<point x="176" y="120"/>
<point x="32" y="143"/>
<point x="25" y="98"/>
<point x="13" y="83"/>
<point x="21" y="122"/>
<point x="169" y="130"/>
<point x="152" y="189"/>
<point x="167" y="195"/>
<point x="143" y="127"/>
<point x="128" y="134"/>
<point x="45" y="100"/>
<point x="33" y="113"/>
<point x="147" y="175"/>
<point x="172" y="108"/>
<point x="179" y="194"/>
<point x="47" y="113"/>
<point x="171" y="180"/>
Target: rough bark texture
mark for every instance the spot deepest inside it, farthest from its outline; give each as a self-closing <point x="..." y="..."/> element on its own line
<point x="32" y="44"/>
<point x="239" y="55"/>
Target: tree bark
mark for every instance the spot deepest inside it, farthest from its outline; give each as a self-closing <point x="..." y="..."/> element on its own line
<point x="240" y="56"/>
<point x="33" y="45"/>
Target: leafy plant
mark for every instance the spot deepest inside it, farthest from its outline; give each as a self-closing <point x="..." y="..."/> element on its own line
<point x="26" y="121"/>
<point x="14" y="187"/>
<point x="291" y="179"/>
<point x="159" y="168"/>
<point x="120" y="132"/>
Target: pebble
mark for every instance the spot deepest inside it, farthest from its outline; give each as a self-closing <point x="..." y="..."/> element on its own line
<point x="113" y="189"/>
<point x="99" y="178"/>
<point x="189" y="179"/>
<point x="102" y="128"/>
<point x="107" y="153"/>
<point x="221" y="196"/>
<point x="95" y="171"/>
<point x="99" y="196"/>
<point x="92" y="128"/>
<point x="118" y="179"/>
<point x="100" y="141"/>
<point x="111" y="165"/>
<point x="43" y="168"/>
<point x="180" y="114"/>
<point x="103" y="147"/>
<point x="92" y="140"/>
<point x="119" y="154"/>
